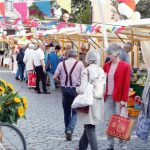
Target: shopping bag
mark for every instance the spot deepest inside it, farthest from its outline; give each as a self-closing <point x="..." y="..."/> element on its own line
<point x="85" y="99"/>
<point x="143" y="126"/>
<point x="83" y="109"/>
<point x="120" y="127"/>
<point x="31" y="79"/>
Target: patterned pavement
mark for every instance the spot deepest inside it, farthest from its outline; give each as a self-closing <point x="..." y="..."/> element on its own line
<point x="43" y="127"/>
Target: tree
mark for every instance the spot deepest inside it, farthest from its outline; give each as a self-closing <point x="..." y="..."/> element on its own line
<point x="144" y="8"/>
<point x="81" y="11"/>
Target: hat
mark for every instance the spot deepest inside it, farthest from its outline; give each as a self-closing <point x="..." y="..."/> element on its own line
<point x="72" y="52"/>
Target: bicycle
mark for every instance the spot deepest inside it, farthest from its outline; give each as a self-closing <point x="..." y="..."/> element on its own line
<point x="11" y="138"/>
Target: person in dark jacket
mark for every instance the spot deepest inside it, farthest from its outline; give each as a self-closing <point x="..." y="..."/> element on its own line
<point x="21" y="64"/>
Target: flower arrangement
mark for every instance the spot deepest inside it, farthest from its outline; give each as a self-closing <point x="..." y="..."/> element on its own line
<point x="12" y="105"/>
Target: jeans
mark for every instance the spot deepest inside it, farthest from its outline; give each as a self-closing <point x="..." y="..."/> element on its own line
<point x="40" y="75"/>
<point x="21" y="68"/>
<point x="51" y="80"/>
<point x="70" y="115"/>
<point x="17" y="73"/>
<point x="112" y="107"/>
<point x="89" y="136"/>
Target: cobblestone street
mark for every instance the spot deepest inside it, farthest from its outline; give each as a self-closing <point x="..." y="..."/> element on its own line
<point x="43" y="127"/>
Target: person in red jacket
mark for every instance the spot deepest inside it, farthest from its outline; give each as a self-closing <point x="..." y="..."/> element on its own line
<point x="117" y="88"/>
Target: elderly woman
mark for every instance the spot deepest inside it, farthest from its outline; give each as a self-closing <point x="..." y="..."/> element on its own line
<point x="91" y="118"/>
<point x="117" y="88"/>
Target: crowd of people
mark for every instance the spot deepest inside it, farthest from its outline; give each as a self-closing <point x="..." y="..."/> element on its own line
<point x="72" y="74"/>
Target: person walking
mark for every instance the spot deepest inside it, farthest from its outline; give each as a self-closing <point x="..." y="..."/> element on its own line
<point x="95" y="114"/>
<point x="40" y="69"/>
<point x="117" y="88"/>
<point x="52" y="63"/>
<point x="68" y="74"/>
<point x="28" y="59"/>
<point x="124" y="53"/>
<point x="21" y="64"/>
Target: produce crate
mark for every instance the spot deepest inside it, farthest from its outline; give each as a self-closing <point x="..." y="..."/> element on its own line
<point x="133" y="112"/>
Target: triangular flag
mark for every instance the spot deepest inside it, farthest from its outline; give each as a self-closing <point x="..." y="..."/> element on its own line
<point x="65" y="5"/>
<point x="61" y="25"/>
<point x="2" y="8"/>
<point x="130" y="3"/>
<point x="22" y="9"/>
<point x="44" y="7"/>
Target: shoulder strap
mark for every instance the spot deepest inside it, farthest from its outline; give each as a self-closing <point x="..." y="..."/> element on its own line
<point x="70" y="77"/>
<point x="66" y="81"/>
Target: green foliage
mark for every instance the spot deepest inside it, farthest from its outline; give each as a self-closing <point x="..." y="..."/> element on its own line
<point x="144" y="8"/>
<point x="81" y="11"/>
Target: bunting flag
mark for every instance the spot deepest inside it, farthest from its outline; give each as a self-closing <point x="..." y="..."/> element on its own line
<point x="49" y="23"/>
<point x="2" y="8"/>
<point x="44" y="7"/>
<point x="16" y="21"/>
<point x="61" y="25"/>
<point x="22" y="9"/>
<point x="130" y="3"/>
<point x="65" y="5"/>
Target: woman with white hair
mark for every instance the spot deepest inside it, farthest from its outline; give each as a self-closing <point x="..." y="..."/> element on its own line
<point x="90" y="119"/>
<point x="28" y="59"/>
<point x="117" y="88"/>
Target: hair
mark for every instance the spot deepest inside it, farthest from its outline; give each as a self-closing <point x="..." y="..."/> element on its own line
<point x="57" y="47"/>
<point x="92" y="57"/>
<point x="113" y="49"/>
<point x="128" y="45"/>
<point x="72" y="53"/>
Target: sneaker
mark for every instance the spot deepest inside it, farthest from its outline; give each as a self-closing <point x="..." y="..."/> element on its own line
<point x="46" y="92"/>
<point x="110" y="149"/>
<point x="17" y="78"/>
<point x="68" y="135"/>
<point x="39" y="92"/>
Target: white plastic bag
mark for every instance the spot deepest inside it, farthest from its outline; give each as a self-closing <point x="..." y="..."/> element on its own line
<point x="85" y="99"/>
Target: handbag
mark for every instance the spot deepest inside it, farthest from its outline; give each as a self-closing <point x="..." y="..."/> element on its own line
<point x="120" y="127"/>
<point x="85" y="99"/>
<point x="31" y="79"/>
<point x="143" y="126"/>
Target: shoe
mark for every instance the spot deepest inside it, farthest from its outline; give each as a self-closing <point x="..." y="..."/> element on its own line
<point x="46" y="92"/>
<point x="39" y="92"/>
<point x="68" y="135"/>
<point x="110" y="149"/>
<point x="17" y="78"/>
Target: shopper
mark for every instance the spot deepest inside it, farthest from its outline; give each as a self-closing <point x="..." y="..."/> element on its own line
<point x="40" y="69"/>
<point x="68" y="75"/>
<point x="117" y="88"/>
<point x="21" y="64"/>
<point x="90" y="119"/>
<point x="124" y="53"/>
<point x="52" y="63"/>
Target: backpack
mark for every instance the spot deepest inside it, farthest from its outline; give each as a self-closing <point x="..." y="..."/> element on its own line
<point x="20" y="57"/>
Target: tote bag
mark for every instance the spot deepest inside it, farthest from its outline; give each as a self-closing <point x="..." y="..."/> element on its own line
<point x="85" y="99"/>
<point x="120" y="127"/>
<point x="143" y="126"/>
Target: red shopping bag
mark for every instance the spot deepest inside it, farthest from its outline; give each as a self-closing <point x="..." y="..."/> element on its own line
<point x="120" y="127"/>
<point x="31" y="79"/>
